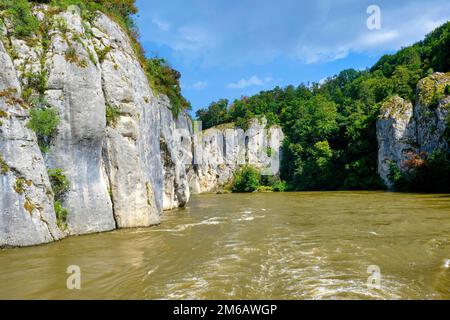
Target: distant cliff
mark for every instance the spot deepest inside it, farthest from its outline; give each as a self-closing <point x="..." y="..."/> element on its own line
<point x="407" y="134"/>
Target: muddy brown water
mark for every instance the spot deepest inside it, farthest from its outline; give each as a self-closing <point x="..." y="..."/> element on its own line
<point x="312" y="245"/>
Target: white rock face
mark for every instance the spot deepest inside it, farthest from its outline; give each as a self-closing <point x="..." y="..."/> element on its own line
<point x="396" y="133"/>
<point x="432" y="119"/>
<point x="176" y="156"/>
<point x="403" y="129"/>
<point x="76" y="91"/>
<point x="224" y="149"/>
<point x="27" y="216"/>
<point x="130" y="146"/>
<point x="115" y="171"/>
<point x="122" y="172"/>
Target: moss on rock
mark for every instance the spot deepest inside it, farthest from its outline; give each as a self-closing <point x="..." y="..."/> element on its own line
<point x="433" y="88"/>
<point x="3" y="166"/>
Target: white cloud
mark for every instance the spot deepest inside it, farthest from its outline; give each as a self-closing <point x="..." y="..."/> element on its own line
<point x="220" y="34"/>
<point x="162" y="25"/>
<point x="250" y="82"/>
<point x="200" y="85"/>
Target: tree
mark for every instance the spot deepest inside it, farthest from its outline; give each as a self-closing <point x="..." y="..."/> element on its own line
<point x="247" y="179"/>
<point x="166" y="80"/>
<point x="215" y="114"/>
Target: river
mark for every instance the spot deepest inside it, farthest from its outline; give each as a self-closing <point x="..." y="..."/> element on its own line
<point x="312" y="245"/>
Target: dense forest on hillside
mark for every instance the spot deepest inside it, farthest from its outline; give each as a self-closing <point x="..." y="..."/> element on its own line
<point x="331" y="128"/>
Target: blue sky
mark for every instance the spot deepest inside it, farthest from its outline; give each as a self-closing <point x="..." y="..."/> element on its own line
<point x="226" y="49"/>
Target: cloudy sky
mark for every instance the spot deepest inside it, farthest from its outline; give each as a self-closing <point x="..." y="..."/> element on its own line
<point x="230" y="48"/>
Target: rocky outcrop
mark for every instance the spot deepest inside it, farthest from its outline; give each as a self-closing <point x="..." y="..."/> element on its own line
<point x="432" y="111"/>
<point x="76" y="91"/>
<point x="404" y="130"/>
<point x="130" y="153"/>
<point x="176" y="155"/>
<point x="221" y="150"/>
<point x="396" y="133"/>
<point x="26" y="200"/>
<point x="114" y="169"/>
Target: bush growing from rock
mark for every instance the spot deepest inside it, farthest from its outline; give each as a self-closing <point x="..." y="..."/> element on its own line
<point x="247" y="179"/>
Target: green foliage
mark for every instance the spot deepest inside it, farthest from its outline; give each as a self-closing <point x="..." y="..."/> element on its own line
<point x="316" y="169"/>
<point x="247" y="179"/>
<point x="60" y="185"/>
<point x="447" y="89"/>
<point x="215" y="114"/>
<point x="264" y="189"/>
<point x="432" y="90"/>
<point x="102" y="53"/>
<point x="112" y="114"/>
<point x="23" y="21"/>
<point x="61" y="214"/>
<point x="397" y="178"/>
<point x="280" y="186"/>
<point x="71" y="55"/>
<point x="19" y="186"/>
<point x="423" y="173"/>
<point x="165" y="80"/>
<point x="59" y="182"/>
<point x="330" y="128"/>
<point x="37" y="82"/>
<point x="43" y="121"/>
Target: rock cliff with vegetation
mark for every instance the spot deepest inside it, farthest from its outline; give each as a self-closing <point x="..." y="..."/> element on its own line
<point x="93" y="135"/>
<point x="225" y="148"/>
<point x="386" y="126"/>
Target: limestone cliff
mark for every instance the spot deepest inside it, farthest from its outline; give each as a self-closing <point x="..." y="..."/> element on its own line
<point x="115" y="169"/>
<point x="124" y="154"/>
<point x="27" y="216"/>
<point x="222" y="149"/>
<point x="404" y="129"/>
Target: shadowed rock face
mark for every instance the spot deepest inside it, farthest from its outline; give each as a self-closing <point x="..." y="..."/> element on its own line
<point x="403" y="129"/>
<point x="176" y="156"/>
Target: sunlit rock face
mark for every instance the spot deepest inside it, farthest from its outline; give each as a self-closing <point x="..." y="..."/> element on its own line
<point x="404" y="130"/>
<point x="26" y="201"/>
<point x="114" y="169"/>
<point x="396" y="133"/>
<point x="221" y="150"/>
<point x="432" y="112"/>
